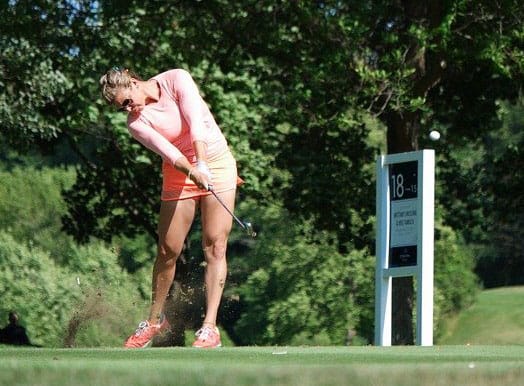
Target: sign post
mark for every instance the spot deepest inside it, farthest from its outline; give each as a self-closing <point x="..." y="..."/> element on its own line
<point x="404" y="244"/>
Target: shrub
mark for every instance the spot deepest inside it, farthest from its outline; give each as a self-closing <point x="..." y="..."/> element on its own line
<point x="89" y="302"/>
<point x="107" y="303"/>
<point x="31" y="206"/>
<point x="304" y="289"/>
<point x="456" y="284"/>
<point x="36" y="288"/>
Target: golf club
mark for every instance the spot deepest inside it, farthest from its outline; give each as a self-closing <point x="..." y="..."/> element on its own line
<point x="245" y="225"/>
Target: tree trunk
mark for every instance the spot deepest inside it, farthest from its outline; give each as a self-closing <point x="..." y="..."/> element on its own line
<point x="402" y="137"/>
<point x="402" y="309"/>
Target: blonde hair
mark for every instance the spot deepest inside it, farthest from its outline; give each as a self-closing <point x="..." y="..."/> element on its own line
<point x="114" y="80"/>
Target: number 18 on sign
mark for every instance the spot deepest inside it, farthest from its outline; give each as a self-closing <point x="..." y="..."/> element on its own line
<point x="403" y="230"/>
<point x="405" y="221"/>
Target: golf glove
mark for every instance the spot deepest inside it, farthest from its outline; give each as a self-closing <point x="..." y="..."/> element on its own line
<point x="203" y="168"/>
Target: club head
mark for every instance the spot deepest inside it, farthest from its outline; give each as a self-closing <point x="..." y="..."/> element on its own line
<point x="249" y="229"/>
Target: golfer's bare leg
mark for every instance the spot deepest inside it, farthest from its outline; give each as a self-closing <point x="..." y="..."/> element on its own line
<point x="216" y="226"/>
<point x="175" y="221"/>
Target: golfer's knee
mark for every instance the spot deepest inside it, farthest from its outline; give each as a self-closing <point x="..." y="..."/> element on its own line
<point x="216" y="251"/>
<point x="168" y="254"/>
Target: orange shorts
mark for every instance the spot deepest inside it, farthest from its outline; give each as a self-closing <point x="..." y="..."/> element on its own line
<point x="177" y="186"/>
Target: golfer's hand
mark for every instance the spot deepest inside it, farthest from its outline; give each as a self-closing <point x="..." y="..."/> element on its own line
<point x="203" y="168"/>
<point x="201" y="176"/>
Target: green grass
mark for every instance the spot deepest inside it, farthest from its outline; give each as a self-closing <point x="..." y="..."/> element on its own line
<point x="484" y="347"/>
<point x="304" y="366"/>
<point x="496" y="318"/>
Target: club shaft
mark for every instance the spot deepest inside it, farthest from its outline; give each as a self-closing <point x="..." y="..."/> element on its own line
<point x="229" y="211"/>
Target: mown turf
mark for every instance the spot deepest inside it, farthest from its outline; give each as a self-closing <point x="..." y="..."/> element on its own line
<point x="304" y="366"/>
<point x="497" y="318"/>
<point x="489" y="351"/>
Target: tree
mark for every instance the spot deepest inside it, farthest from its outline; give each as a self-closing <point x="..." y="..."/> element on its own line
<point x="421" y="61"/>
<point x="295" y="91"/>
<point x="501" y="262"/>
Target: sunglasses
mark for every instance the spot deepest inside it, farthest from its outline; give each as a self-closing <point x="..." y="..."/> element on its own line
<point x="125" y="105"/>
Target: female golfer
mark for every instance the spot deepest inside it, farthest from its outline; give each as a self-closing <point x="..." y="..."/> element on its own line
<point x="167" y="115"/>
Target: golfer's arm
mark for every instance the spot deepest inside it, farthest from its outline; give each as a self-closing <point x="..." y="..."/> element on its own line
<point x="184" y="165"/>
<point x="200" y="150"/>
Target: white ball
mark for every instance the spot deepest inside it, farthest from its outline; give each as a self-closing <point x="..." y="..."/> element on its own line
<point x="434" y="135"/>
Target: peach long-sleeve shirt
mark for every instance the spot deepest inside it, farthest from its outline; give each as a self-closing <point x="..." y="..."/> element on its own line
<point x="180" y="116"/>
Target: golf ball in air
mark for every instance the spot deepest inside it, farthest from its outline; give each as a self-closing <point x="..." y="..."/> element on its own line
<point x="434" y="135"/>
